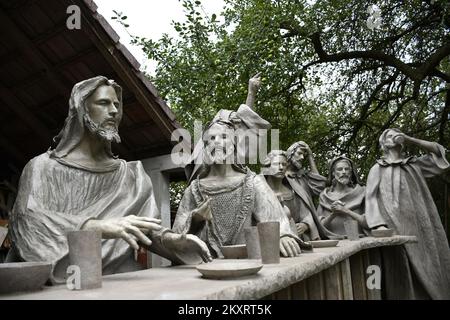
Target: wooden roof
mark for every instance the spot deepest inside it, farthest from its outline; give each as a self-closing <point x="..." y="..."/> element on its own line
<point x="41" y="60"/>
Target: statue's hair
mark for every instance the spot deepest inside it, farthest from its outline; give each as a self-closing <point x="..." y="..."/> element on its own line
<point x="382" y="138"/>
<point x="72" y="132"/>
<point x="272" y="154"/>
<point x="354" y="175"/>
<point x="293" y="148"/>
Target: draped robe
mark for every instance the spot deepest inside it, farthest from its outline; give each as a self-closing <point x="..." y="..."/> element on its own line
<point x="397" y="196"/>
<point x="56" y="197"/>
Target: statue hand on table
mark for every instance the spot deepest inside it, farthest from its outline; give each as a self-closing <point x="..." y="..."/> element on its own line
<point x="301" y="228"/>
<point x="130" y="228"/>
<point x="187" y="244"/>
<point x="289" y="247"/>
<point x="203" y="212"/>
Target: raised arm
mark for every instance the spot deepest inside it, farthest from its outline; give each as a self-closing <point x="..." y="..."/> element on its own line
<point x="429" y="146"/>
<point x="253" y="86"/>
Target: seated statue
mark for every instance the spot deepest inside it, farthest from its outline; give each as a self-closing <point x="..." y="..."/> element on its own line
<point x="306" y="185"/>
<point x="224" y="196"/>
<point x="397" y="197"/>
<point x="343" y="199"/>
<point x="81" y="185"/>
<point x="301" y="221"/>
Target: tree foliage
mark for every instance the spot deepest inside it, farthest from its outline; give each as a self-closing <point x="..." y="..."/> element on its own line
<point x="328" y="78"/>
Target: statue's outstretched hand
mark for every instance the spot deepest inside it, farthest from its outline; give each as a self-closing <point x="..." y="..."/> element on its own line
<point x="289" y="247"/>
<point x="130" y="228"/>
<point x="188" y="244"/>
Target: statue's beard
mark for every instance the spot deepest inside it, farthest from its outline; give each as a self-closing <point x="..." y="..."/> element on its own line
<point x="297" y="164"/>
<point x="219" y="155"/>
<point x="344" y="180"/>
<point x="105" y="133"/>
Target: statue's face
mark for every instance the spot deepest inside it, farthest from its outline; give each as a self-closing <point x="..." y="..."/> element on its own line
<point x="389" y="139"/>
<point x="219" y="144"/>
<point x="297" y="158"/>
<point x="103" y="107"/>
<point x="278" y="166"/>
<point x="342" y="172"/>
<point x="103" y="112"/>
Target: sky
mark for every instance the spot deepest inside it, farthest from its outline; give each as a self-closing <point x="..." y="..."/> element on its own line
<point x="149" y="19"/>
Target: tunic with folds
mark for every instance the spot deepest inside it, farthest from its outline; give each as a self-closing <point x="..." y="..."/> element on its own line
<point x="305" y="185"/>
<point x="354" y="200"/>
<point x="234" y="206"/>
<point x="56" y="197"/>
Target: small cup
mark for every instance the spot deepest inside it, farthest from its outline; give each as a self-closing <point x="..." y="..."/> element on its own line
<point x="252" y="241"/>
<point x="351" y="229"/>
<point x="85" y="252"/>
<point x="269" y="241"/>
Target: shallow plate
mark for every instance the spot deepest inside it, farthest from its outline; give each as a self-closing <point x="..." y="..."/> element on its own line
<point x="324" y="243"/>
<point x="382" y="233"/>
<point x="228" y="270"/>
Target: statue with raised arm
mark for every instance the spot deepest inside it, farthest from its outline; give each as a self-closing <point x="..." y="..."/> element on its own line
<point x="249" y="128"/>
<point x="397" y="197"/>
<point x="343" y="198"/>
<point x="224" y="197"/>
<point x="306" y="184"/>
<point x="274" y="170"/>
<point x="81" y="185"/>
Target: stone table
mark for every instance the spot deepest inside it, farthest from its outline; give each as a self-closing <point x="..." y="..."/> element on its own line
<point x="327" y="273"/>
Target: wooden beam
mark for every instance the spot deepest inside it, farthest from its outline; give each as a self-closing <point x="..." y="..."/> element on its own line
<point x="29" y="50"/>
<point x="12" y="150"/>
<point x="16" y="106"/>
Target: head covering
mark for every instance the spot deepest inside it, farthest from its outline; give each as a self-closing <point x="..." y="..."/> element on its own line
<point x="244" y="119"/>
<point x="354" y="178"/>
<point x="293" y="148"/>
<point x="382" y="138"/>
<point x="73" y="131"/>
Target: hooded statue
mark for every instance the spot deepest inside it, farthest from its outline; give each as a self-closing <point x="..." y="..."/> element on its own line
<point x="352" y="200"/>
<point x="57" y="195"/>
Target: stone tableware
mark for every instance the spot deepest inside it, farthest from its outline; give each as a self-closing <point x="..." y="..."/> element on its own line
<point x="85" y="251"/>
<point x="324" y="243"/>
<point x="228" y="270"/>
<point x="23" y="276"/>
<point x="269" y="240"/>
<point x="351" y="229"/>
<point x="382" y="233"/>
<point x="238" y="251"/>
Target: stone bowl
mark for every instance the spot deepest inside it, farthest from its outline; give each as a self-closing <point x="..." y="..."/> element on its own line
<point x="23" y="276"/>
<point x="382" y="233"/>
<point x="238" y="251"/>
